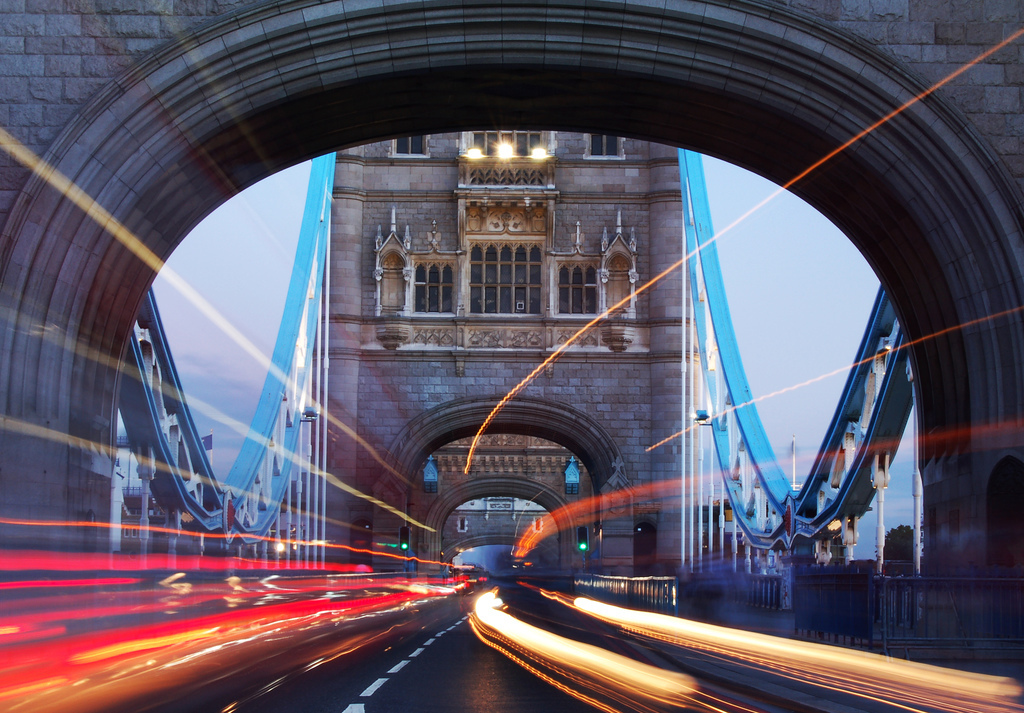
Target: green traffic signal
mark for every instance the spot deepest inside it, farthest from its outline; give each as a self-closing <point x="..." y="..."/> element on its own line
<point x="403" y="538"/>
<point x="582" y="538"/>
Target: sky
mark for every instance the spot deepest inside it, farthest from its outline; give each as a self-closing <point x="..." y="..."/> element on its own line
<point x="799" y="292"/>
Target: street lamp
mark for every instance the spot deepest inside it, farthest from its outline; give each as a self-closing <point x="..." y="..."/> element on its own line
<point x="701" y="418"/>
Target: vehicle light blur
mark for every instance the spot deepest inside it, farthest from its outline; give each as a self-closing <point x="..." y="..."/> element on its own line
<point x="557" y="660"/>
<point x="907" y="685"/>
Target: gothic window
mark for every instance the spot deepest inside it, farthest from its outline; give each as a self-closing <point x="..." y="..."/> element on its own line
<point x="434" y="288"/>
<point x="604" y="145"/>
<point x="618" y="285"/>
<point x="462" y="525"/>
<point x="392" y="285"/>
<point x="519" y="143"/>
<point x="577" y="290"/>
<point x="410" y="146"/>
<point x="504" y="280"/>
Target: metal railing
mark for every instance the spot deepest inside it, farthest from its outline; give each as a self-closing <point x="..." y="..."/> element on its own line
<point x="834" y="603"/>
<point x="657" y="594"/>
<point x="764" y="591"/>
<point x="951" y="612"/>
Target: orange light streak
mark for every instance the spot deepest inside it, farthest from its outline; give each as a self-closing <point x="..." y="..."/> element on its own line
<point x="791" y="182"/>
<point x="555" y="355"/>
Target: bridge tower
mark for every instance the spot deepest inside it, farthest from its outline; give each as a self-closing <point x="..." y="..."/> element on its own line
<point x="461" y="262"/>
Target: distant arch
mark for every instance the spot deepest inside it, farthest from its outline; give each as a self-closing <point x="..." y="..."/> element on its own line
<point x="557" y="422"/>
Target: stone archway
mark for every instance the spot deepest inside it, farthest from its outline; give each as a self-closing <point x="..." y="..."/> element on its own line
<point x="772" y="90"/>
<point x="557" y="422"/>
<point x="545" y="496"/>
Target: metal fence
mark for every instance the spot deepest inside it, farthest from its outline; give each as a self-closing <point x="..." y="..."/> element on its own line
<point x="960" y="612"/>
<point x="837" y="604"/>
<point x="657" y="594"/>
<point x="765" y="591"/>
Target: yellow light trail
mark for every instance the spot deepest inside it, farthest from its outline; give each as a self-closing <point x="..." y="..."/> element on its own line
<point x="613" y="675"/>
<point x="904" y="684"/>
<point x="789" y="184"/>
<point x="124" y="236"/>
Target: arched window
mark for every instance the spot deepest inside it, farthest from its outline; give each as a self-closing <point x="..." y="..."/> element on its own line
<point x="577" y="290"/>
<point x="392" y="285"/>
<point x="434" y="288"/>
<point x="505" y="281"/>
<point x="618" y="285"/>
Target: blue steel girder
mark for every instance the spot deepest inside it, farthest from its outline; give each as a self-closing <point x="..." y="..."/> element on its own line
<point x="869" y="420"/>
<point x="151" y="399"/>
<point x="259" y="479"/>
<point x="153" y="403"/>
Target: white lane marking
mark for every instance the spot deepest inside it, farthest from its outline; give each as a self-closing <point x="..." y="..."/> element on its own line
<point x="373" y="687"/>
<point x="417" y="652"/>
<point x="354" y="708"/>
<point x="428" y="642"/>
<point x="398" y="666"/>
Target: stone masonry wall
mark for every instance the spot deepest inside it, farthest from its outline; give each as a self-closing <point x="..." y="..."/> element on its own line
<point x="56" y="54"/>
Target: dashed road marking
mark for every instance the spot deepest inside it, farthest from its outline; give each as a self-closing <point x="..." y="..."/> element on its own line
<point x="354" y="708"/>
<point x="416" y="653"/>
<point x="428" y="642"/>
<point x="398" y="666"/>
<point x="373" y="687"/>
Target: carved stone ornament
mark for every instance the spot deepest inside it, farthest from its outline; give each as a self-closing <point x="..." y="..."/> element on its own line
<point x="589" y="339"/>
<point x="434" y="337"/>
<point x="617" y="335"/>
<point x="392" y="333"/>
<point x="498" y="338"/>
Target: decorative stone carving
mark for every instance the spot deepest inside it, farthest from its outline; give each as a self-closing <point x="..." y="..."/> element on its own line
<point x="588" y="339"/>
<point x="538" y="221"/>
<point x="434" y="337"/>
<point x="505" y="219"/>
<point x="617" y="335"/>
<point x="392" y="333"/>
<point x="499" y="338"/>
<point x="506" y="176"/>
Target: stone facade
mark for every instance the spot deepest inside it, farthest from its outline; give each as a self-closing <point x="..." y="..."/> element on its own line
<point x="160" y="111"/>
<point x="57" y="54"/>
<point x="569" y="213"/>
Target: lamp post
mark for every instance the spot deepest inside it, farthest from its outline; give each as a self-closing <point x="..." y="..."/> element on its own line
<point x="701" y="418"/>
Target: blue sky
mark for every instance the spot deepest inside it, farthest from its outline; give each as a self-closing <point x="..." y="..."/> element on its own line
<point x="799" y="292"/>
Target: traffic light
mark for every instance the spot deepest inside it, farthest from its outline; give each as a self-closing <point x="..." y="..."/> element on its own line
<point x="582" y="538"/>
<point x="403" y="538"/>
